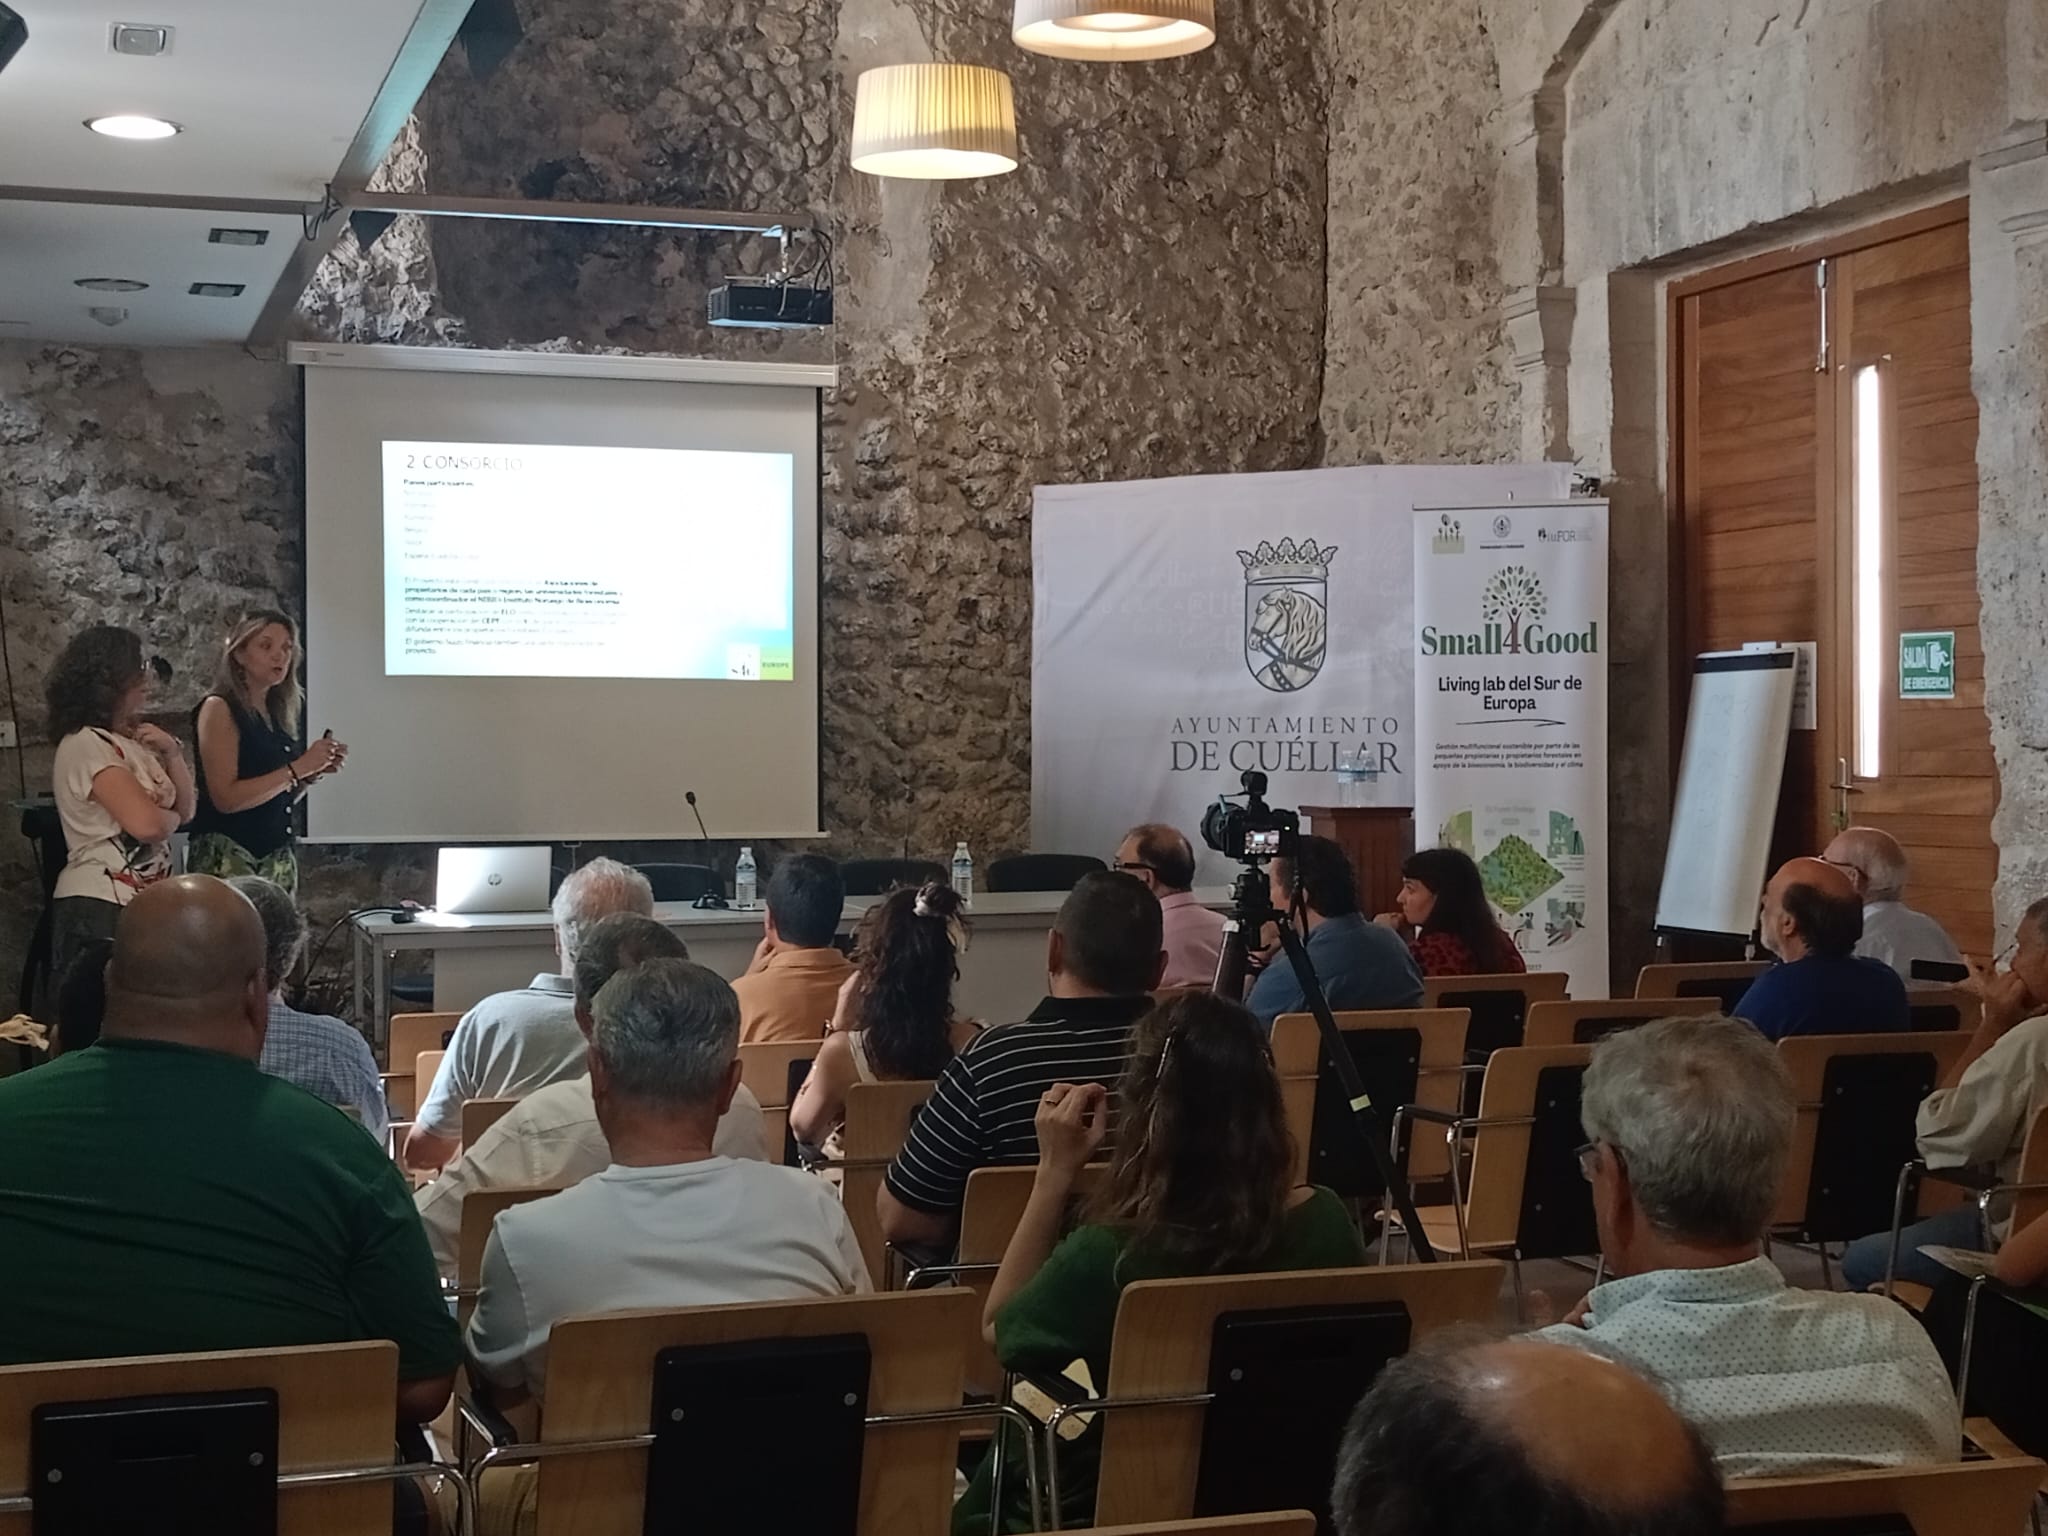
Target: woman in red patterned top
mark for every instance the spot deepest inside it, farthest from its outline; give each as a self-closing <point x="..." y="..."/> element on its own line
<point x="1447" y="920"/>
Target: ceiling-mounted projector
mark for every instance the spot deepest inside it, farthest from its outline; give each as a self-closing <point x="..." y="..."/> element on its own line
<point x="764" y="304"/>
<point x="13" y="33"/>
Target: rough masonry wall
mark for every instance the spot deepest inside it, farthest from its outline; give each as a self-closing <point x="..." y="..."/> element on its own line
<point x="1144" y="296"/>
<point x="156" y="490"/>
<point x="1417" y="367"/>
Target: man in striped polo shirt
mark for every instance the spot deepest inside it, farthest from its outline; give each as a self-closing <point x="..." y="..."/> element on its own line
<point x="1105" y="957"/>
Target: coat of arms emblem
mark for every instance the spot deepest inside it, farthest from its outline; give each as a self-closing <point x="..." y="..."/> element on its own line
<point x="1286" y="612"/>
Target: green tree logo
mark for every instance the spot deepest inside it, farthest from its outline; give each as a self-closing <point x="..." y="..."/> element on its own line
<point x="1513" y="594"/>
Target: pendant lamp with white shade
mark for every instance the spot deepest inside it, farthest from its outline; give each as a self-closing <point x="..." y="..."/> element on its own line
<point x="1114" y="31"/>
<point x="934" y="122"/>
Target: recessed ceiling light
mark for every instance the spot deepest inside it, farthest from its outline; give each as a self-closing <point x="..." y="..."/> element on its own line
<point x="237" y="236"/>
<point x="218" y="290"/>
<point x="140" y="40"/>
<point x="111" y="284"/>
<point x="130" y="125"/>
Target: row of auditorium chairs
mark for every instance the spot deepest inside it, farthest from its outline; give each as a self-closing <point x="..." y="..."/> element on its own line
<point x="1217" y="1401"/>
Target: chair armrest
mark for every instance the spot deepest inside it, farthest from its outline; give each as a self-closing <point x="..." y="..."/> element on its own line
<point x="1964" y="1178"/>
<point x="921" y="1273"/>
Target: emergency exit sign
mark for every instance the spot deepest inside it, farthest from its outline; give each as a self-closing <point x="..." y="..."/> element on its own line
<point x="1927" y="664"/>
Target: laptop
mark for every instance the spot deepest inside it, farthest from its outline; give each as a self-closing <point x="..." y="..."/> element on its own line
<point x="492" y="880"/>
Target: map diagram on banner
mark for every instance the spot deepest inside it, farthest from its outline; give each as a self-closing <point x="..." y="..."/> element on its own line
<point x="1518" y="876"/>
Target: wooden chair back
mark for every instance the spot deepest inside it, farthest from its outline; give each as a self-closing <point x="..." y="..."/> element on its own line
<point x="1294" y="1522"/>
<point x="1807" y="1058"/>
<point x="601" y="1381"/>
<point x="1298" y="1055"/>
<point x="413" y="1034"/>
<point x="878" y="1117"/>
<point x="1497" y="1021"/>
<point x="2033" y="1170"/>
<point x="1500" y="1153"/>
<point x="989" y="1213"/>
<point x="479" y="1115"/>
<point x="765" y="1069"/>
<point x="1944" y="1008"/>
<point x="1971" y="1498"/>
<point x="1723" y="980"/>
<point x="336" y="1404"/>
<point x="1572" y="1022"/>
<point x="481" y="1207"/>
<point x="1151" y="1456"/>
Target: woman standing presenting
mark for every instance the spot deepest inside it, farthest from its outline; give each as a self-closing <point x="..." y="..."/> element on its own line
<point x="250" y="774"/>
<point x="122" y="787"/>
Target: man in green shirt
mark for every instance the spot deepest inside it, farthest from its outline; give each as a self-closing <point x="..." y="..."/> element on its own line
<point x="159" y="1194"/>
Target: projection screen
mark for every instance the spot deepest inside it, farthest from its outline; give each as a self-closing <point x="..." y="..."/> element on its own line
<point x="548" y="594"/>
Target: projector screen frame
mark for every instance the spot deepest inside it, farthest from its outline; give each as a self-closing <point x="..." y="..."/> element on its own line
<point x="816" y="377"/>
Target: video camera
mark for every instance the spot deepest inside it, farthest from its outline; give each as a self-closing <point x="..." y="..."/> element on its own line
<point x="1253" y="832"/>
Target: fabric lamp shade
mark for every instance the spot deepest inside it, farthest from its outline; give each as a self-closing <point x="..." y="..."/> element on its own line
<point x="934" y="122"/>
<point x="1114" y="30"/>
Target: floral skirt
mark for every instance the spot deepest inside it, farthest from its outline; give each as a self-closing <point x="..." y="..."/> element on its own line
<point x="215" y="853"/>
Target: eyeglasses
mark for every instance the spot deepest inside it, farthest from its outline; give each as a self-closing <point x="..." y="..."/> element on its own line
<point x="1124" y="866"/>
<point x="1586" y="1151"/>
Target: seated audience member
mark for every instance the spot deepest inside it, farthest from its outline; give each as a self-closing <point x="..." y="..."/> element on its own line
<point x="1447" y="920"/>
<point x="514" y="1042"/>
<point x="895" y="1019"/>
<point x="554" y="1136"/>
<point x="1811" y="922"/>
<point x="1165" y="860"/>
<point x="1690" y="1125"/>
<point x="1506" y="1438"/>
<point x="1104" y="958"/>
<point x="1205" y="1186"/>
<point x="670" y="1223"/>
<point x="1359" y="963"/>
<point x="82" y="999"/>
<point x="1981" y="1112"/>
<point x="1893" y="933"/>
<point x="323" y="1055"/>
<point x="790" y="990"/>
<point x="159" y="1194"/>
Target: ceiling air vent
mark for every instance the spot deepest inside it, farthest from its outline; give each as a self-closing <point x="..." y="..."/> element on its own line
<point x="141" y="42"/>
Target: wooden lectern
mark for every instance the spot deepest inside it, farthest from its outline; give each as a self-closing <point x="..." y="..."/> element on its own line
<point x="1376" y="838"/>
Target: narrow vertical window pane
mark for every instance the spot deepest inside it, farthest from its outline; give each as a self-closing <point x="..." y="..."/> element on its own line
<point x="1870" y="614"/>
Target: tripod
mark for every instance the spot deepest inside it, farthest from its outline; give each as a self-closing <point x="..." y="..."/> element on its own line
<point x="1251" y="908"/>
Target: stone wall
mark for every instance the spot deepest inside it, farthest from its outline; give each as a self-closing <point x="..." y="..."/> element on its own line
<point x="1144" y="297"/>
<point x="158" y="490"/>
<point x="1417" y="365"/>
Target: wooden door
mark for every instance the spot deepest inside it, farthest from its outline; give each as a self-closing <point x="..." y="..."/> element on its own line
<point x="1825" y="477"/>
<point x="1755" y="459"/>
<point x="1904" y="309"/>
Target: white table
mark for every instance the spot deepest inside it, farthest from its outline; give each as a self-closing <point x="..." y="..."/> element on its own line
<point x="1002" y="975"/>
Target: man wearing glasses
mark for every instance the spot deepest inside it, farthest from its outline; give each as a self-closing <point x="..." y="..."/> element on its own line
<point x="1690" y="1123"/>
<point x="1165" y="861"/>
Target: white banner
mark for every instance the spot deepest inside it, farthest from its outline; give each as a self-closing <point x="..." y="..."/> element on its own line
<point x="1186" y="630"/>
<point x="1511" y="718"/>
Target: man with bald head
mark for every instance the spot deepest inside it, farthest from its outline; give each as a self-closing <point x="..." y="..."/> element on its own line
<point x="159" y="1194"/>
<point x="1501" y="1438"/>
<point x="1812" y="919"/>
<point x="1892" y="931"/>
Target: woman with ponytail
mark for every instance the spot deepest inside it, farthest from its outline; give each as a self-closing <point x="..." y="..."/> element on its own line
<point x="895" y="1019"/>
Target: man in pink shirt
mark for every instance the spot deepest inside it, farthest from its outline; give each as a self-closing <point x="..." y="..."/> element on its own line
<point x="1193" y="936"/>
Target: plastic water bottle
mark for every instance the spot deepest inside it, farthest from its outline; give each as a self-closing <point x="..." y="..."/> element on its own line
<point x="744" y="877"/>
<point x="963" y="872"/>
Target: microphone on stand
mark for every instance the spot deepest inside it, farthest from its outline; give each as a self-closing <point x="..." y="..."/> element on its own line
<point x="710" y="900"/>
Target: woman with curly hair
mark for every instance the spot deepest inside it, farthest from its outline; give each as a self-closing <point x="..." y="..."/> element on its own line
<point x="250" y="771"/>
<point x="1447" y="920"/>
<point x="895" y="1019"/>
<point x="1201" y="1183"/>
<point x="122" y="787"/>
